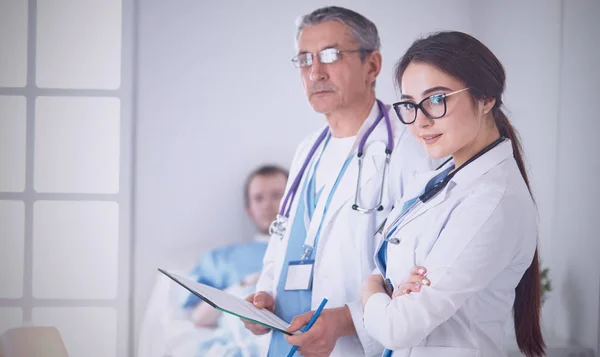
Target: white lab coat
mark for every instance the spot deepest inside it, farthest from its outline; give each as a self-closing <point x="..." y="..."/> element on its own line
<point x="344" y="254"/>
<point x="476" y="238"/>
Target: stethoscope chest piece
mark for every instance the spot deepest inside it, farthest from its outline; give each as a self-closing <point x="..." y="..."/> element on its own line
<point x="394" y="240"/>
<point x="278" y="226"/>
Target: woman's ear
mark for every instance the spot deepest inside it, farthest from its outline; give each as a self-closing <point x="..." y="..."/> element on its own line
<point x="487" y="104"/>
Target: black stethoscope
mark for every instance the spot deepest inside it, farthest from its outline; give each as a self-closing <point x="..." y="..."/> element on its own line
<point x="433" y="191"/>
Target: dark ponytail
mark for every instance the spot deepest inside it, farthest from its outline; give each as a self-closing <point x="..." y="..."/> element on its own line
<point x="528" y="297"/>
<point x="465" y="58"/>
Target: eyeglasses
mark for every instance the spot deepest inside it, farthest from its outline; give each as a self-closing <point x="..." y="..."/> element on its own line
<point x="434" y="107"/>
<point x="328" y="55"/>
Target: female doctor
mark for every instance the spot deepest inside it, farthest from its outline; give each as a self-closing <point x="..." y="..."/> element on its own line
<point x="473" y="222"/>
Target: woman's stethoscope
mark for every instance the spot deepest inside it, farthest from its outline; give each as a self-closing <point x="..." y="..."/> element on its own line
<point x="279" y="226"/>
<point x="431" y="192"/>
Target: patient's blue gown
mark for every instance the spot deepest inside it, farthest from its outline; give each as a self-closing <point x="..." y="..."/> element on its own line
<point x="227" y="266"/>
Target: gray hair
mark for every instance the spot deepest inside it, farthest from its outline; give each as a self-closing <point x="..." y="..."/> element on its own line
<point x="362" y="29"/>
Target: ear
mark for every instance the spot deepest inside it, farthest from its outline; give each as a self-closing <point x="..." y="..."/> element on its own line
<point x="487" y="104"/>
<point x="248" y="211"/>
<point x="374" y="62"/>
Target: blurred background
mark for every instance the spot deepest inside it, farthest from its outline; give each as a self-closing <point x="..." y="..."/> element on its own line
<point x="127" y="129"/>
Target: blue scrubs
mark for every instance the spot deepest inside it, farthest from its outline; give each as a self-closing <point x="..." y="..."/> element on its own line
<point x="289" y="304"/>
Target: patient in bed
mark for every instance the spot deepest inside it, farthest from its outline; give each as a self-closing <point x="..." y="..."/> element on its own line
<point x="235" y="268"/>
<point x="178" y="324"/>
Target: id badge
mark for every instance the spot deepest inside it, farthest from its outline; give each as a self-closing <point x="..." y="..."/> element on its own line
<point x="299" y="275"/>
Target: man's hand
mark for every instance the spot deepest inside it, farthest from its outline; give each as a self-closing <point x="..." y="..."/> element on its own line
<point x="320" y="339"/>
<point x="372" y="285"/>
<point x="261" y="300"/>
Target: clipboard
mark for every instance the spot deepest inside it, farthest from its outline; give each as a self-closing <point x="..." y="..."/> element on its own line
<point x="231" y="304"/>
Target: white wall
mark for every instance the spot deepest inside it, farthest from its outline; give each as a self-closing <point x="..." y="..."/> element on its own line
<point x="217" y="95"/>
<point x="575" y="239"/>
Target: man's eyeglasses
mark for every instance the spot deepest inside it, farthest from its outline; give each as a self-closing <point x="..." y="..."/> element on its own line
<point x="434" y="107"/>
<point x="328" y="55"/>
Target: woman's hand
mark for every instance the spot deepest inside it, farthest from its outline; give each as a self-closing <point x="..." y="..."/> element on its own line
<point x="413" y="283"/>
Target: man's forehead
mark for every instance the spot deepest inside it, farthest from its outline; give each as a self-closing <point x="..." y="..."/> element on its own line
<point x="323" y="35"/>
<point x="270" y="179"/>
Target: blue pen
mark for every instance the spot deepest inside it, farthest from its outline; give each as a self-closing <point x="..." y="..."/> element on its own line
<point x="309" y="325"/>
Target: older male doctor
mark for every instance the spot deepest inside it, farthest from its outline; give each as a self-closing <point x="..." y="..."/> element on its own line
<point x="341" y="188"/>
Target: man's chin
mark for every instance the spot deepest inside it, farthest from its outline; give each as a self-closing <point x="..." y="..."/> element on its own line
<point x="264" y="229"/>
<point x="322" y="105"/>
<point x="322" y="109"/>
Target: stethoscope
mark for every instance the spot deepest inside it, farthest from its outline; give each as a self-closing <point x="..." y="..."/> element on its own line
<point x="432" y="192"/>
<point x="279" y="226"/>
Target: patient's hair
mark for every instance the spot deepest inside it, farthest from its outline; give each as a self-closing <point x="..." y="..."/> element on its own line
<point x="264" y="170"/>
